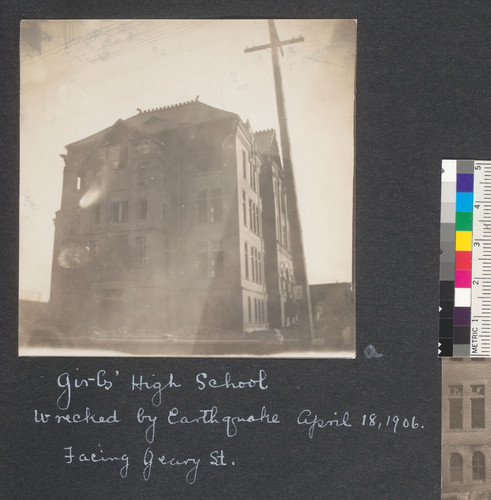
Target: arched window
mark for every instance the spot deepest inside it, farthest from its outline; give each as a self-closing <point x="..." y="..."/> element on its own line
<point x="456" y="467"/>
<point x="478" y="466"/>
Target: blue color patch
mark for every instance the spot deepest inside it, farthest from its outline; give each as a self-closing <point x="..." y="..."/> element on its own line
<point x="465" y="183"/>
<point x="464" y="202"/>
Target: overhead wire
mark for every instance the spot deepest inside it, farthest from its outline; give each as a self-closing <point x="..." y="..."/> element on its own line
<point x="146" y="40"/>
<point x="134" y="68"/>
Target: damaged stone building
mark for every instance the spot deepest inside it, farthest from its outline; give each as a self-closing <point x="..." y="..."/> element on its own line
<point x="173" y="218"/>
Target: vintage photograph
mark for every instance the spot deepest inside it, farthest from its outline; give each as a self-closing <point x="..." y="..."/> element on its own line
<point x="466" y="441"/>
<point x="187" y="188"/>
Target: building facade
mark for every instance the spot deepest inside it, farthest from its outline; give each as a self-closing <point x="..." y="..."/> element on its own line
<point x="174" y="219"/>
<point x="466" y="424"/>
<point x="280" y="280"/>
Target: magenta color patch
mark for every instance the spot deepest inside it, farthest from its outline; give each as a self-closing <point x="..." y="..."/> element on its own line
<point x="463" y="278"/>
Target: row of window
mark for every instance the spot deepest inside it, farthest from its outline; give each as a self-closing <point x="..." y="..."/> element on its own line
<point x="118" y="211"/>
<point x="457" y="467"/>
<point x="254" y="215"/>
<point x="477" y="403"/>
<point x="259" y="310"/>
<point x="146" y="177"/>
<point x="256" y="272"/>
<point x="118" y="155"/>
<point x="209" y="210"/>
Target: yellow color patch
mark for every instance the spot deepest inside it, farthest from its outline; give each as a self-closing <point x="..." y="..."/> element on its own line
<point x="463" y="241"/>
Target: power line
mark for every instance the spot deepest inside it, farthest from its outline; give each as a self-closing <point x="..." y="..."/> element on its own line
<point x="148" y="39"/>
<point x="105" y="76"/>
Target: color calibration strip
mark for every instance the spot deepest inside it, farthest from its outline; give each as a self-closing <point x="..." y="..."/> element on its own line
<point x="465" y="259"/>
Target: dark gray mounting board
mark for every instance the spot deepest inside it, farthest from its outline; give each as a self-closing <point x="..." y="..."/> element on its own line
<point x="423" y="78"/>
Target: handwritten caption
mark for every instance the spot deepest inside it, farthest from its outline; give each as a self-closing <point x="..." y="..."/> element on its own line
<point x="162" y="414"/>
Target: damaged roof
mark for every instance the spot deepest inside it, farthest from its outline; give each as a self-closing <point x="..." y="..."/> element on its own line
<point x="158" y="120"/>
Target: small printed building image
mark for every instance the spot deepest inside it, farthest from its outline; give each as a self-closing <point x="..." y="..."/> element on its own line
<point x="173" y="224"/>
<point x="466" y="422"/>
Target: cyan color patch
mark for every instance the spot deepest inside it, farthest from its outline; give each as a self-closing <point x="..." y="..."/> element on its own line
<point x="464" y="202"/>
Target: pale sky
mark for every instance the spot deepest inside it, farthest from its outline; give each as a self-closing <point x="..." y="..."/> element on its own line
<point x="78" y="77"/>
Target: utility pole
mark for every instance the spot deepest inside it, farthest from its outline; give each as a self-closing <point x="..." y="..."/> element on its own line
<point x="304" y="308"/>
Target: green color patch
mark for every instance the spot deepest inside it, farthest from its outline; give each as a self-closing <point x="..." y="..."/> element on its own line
<point x="463" y="221"/>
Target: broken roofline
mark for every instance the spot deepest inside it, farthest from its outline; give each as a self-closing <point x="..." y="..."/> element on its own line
<point x="211" y="115"/>
<point x="170" y="120"/>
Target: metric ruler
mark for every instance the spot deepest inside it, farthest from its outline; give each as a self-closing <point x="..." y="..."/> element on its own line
<point x="481" y="261"/>
<point x="465" y="259"/>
